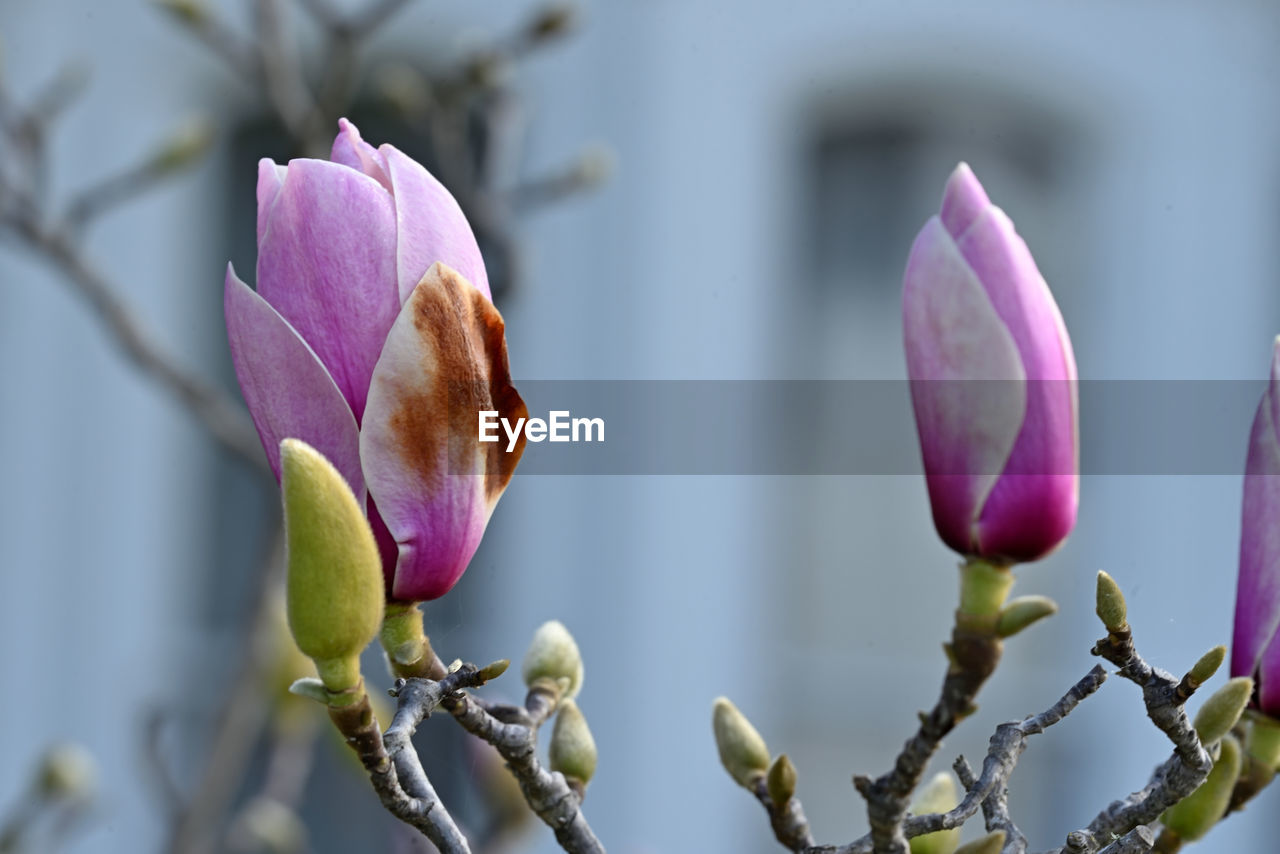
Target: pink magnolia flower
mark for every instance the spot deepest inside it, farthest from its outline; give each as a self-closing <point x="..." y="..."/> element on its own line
<point x="372" y="338"/>
<point x="1254" y="649"/>
<point x="993" y="382"/>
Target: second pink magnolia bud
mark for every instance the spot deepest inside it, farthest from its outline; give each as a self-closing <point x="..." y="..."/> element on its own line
<point x="993" y="382"/>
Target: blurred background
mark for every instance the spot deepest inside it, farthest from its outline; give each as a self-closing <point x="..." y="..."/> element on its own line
<point x="771" y="167"/>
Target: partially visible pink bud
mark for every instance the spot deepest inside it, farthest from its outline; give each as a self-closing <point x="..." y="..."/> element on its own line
<point x="993" y="382"/>
<point x="1254" y="649"/>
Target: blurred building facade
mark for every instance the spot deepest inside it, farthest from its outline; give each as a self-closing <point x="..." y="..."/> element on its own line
<point x="774" y="166"/>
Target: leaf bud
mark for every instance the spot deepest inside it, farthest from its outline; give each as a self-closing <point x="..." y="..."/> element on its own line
<point x="1223" y="708"/>
<point x="781" y="781"/>
<point x="1193" y="816"/>
<point x="1202" y="671"/>
<point x="67" y="772"/>
<point x="937" y="795"/>
<point x="1111" y="607"/>
<point x="553" y="654"/>
<point x="573" y="750"/>
<point x="335" y="587"/>
<point x="742" y="751"/>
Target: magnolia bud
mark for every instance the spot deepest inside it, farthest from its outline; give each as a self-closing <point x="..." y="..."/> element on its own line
<point x="553" y="654"/>
<point x="187" y="144"/>
<point x="1022" y="612"/>
<point x="1193" y="816"/>
<point x="1223" y="708"/>
<point x="335" y="584"/>
<point x="1111" y="608"/>
<point x="742" y="751"/>
<point x="269" y="826"/>
<point x="781" y="781"/>
<point x="1202" y="671"/>
<point x="937" y="795"/>
<point x="573" y="750"/>
<point x="992" y="843"/>
<point x="187" y="11"/>
<point x="67" y="772"/>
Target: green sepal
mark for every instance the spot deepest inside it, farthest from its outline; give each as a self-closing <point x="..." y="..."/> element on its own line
<point x="1193" y="816"/>
<point x="743" y="752"/>
<point x="1263" y="740"/>
<point x="1022" y="612"/>
<point x="335" y="585"/>
<point x="311" y="688"/>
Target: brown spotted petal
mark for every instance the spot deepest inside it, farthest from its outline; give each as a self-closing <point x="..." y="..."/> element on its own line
<point x="433" y="481"/>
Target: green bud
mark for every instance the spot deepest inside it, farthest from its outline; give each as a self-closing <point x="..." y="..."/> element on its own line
<point x="187" y="11"/>
<point x="781" y="781"/>
<point x="271" y="827"/>
<point x="742" y="751"/>
<point x="494" y="669"/>
<point x="1202" y="671"/>
<point x="67" y="772"/>
<point x="1111" y="608"/>
<point x="573" y="750"/>
<point x="1263" y="741"/>
<point x="1193" y="816"/>
<point x="992" y="843"/>
<point x="187" y="144"/>
<point x="335" y="584"/>
<point x="1223" y="708"/>
<point x="553" y="654"/>
<point x="1022" y="612"/>
<point x="937" y="795"/>
<point x="555" y="19"/>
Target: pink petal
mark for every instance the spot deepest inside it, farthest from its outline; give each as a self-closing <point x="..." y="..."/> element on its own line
<point x="1257" y="617"/>
<point x="431" y="226"/>
<point x="435" y="484"/>
<point x="270" y="180"/>
<point x="327" y="264"/>
<point x="350" y="150"/>
<point x="1031" y="508"/>
<point x="962" y="201"/>
<point x="955" y="341"/>
<point x="288" y="391"/>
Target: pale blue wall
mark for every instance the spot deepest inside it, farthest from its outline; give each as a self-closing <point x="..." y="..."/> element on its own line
<point x="679" y="268"/>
